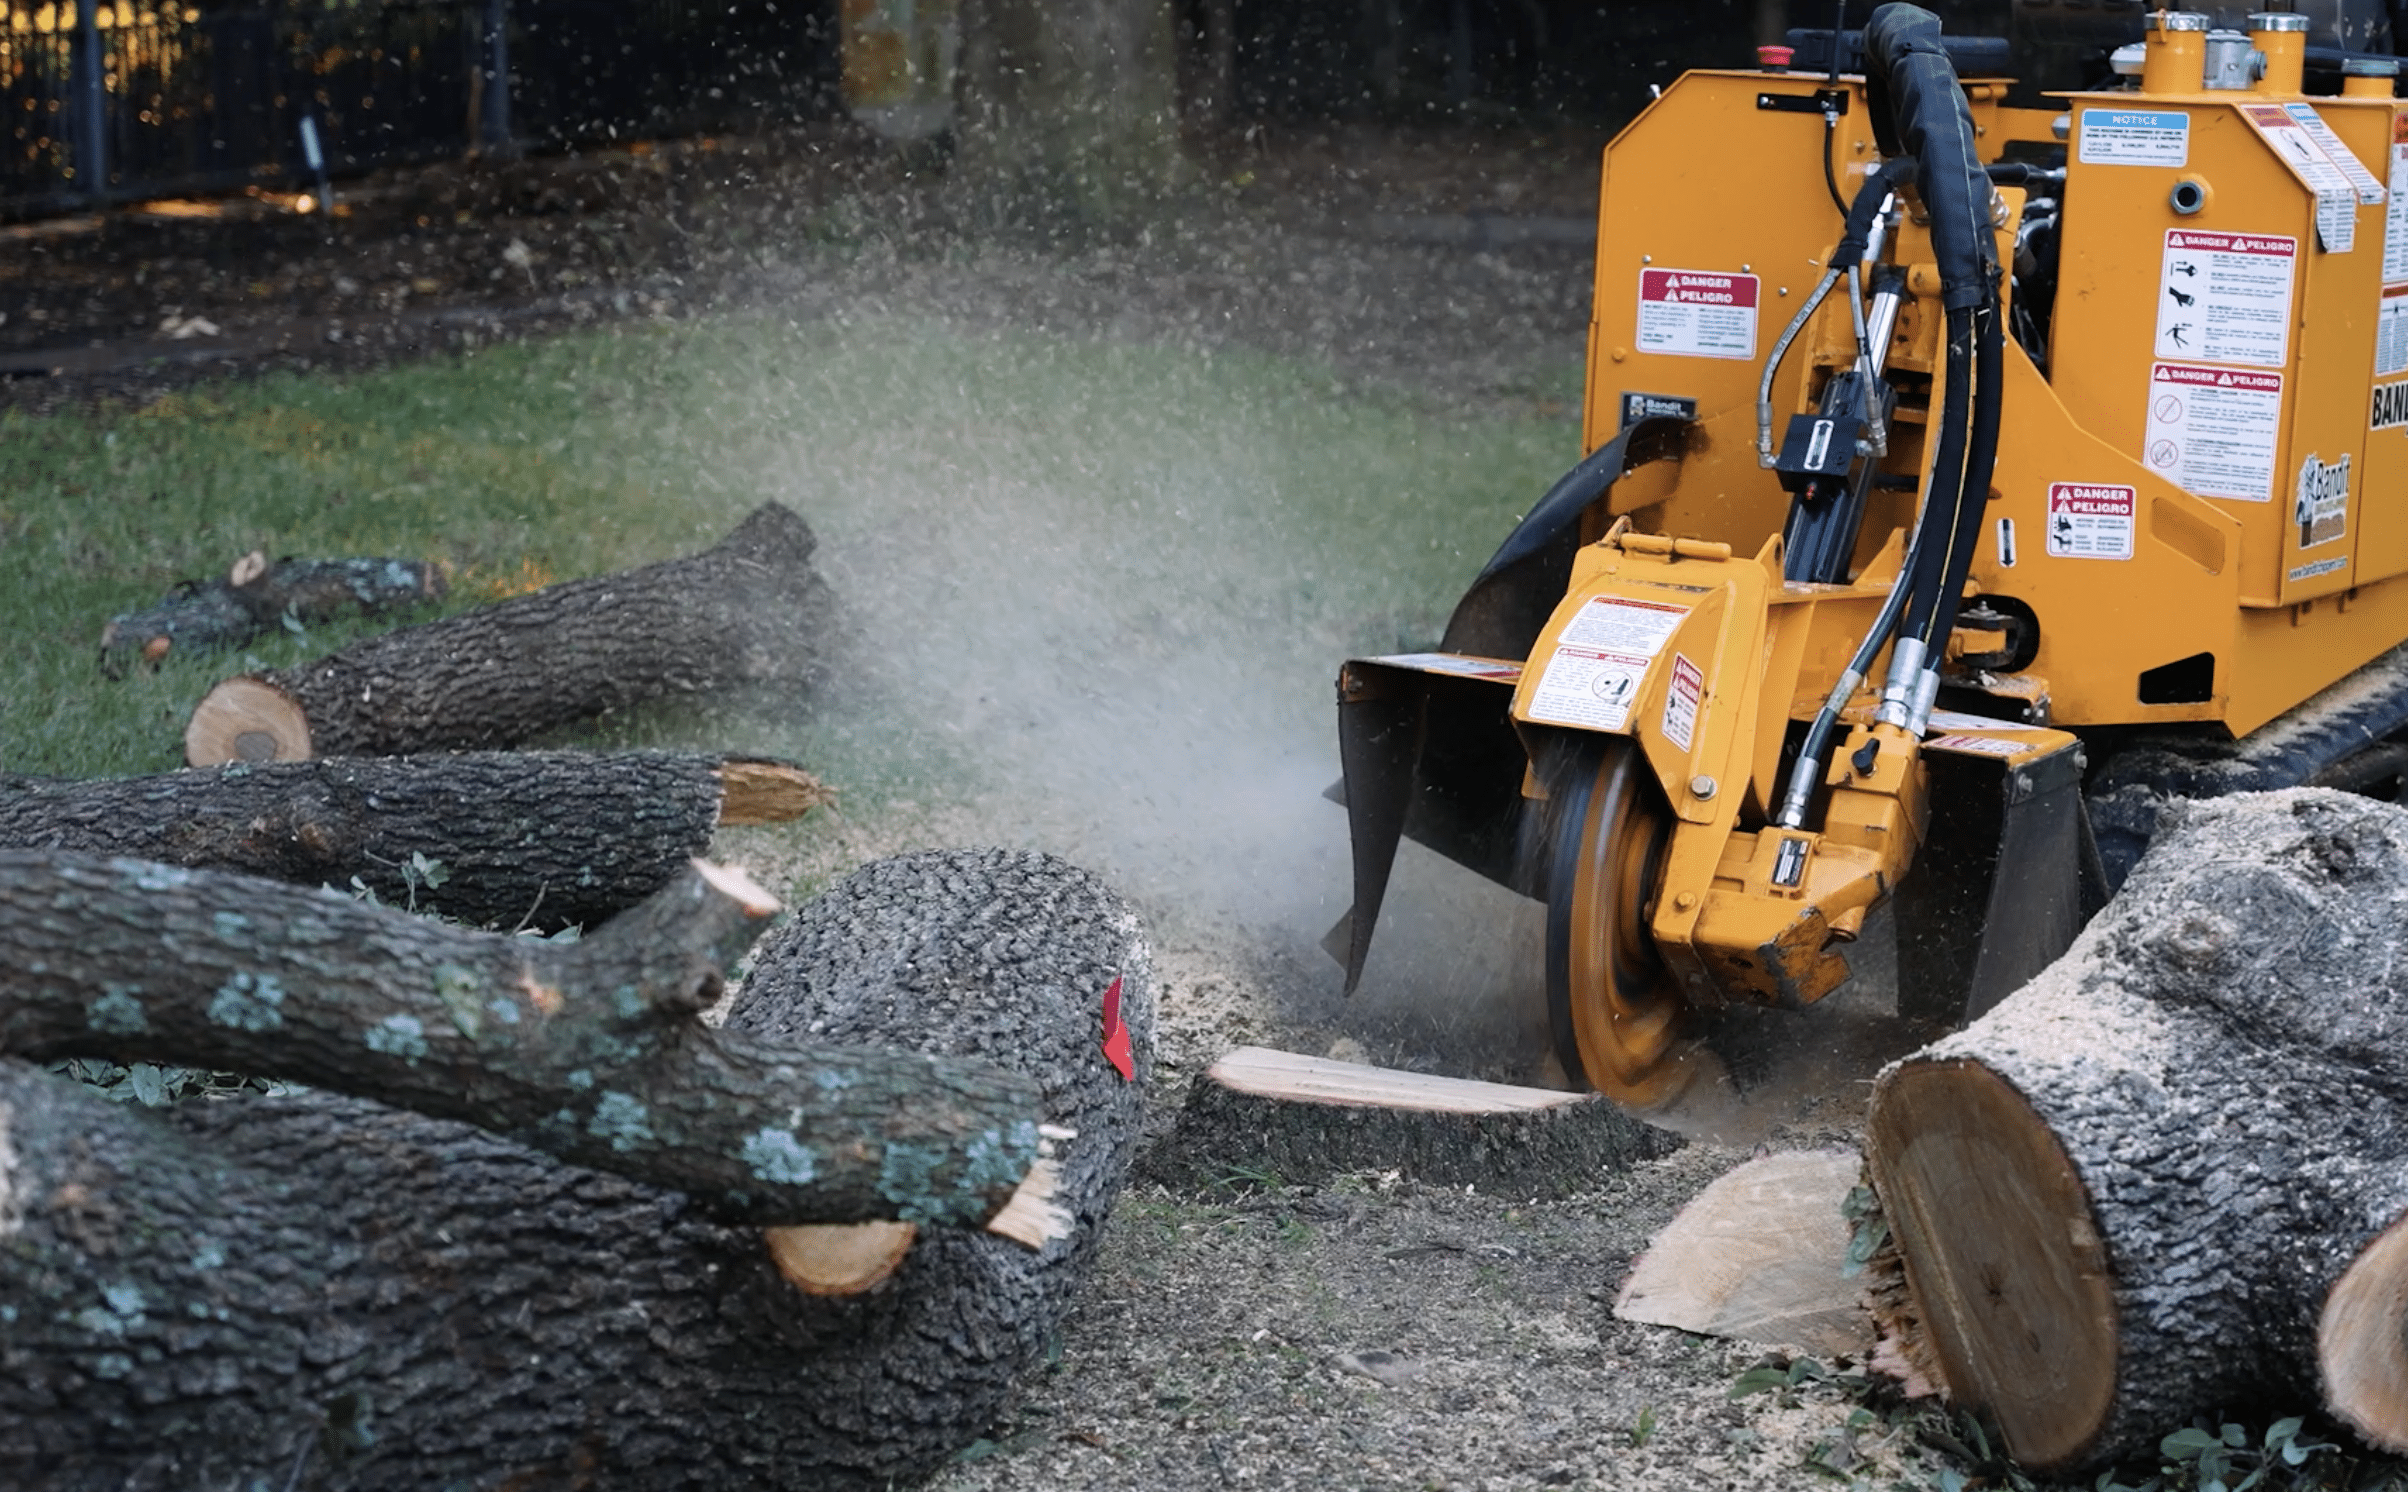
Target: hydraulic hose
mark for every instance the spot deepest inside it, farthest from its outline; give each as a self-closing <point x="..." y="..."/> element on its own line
<point x="1919" y="111"/>
<point x="1855" y="237"/>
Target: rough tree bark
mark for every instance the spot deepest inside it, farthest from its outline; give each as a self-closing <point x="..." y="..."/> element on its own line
<point x="1068" y="117"/>
<point x="1305" y="1119"/>
<point x="254" y="597"/>
<point x="2123" y="1197"/>
<point x="536" y="839"/>
<point x="589" y="1051"/>
<point x="750" y="610"/>
<point x="218" y="1295"/>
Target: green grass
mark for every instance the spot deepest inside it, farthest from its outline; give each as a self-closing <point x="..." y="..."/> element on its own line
<point x="1202" y="528"/>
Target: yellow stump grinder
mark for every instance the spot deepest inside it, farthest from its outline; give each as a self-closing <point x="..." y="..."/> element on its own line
<point x="1964" y="481"/>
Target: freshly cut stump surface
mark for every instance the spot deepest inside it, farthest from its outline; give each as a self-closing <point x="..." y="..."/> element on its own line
<point x="1304" y="1119"/>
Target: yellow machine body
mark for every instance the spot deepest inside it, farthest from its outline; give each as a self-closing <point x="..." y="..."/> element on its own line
<point x="2203" y="499"/>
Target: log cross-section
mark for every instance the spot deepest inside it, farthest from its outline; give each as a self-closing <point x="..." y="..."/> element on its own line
<point x="748" y="611"/>
<point x="2164" y="1178"/>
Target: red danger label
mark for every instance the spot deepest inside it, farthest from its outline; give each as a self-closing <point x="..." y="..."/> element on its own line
<point x="1697" y="313"/>
<point x="2091" y="520"/>
<point x="2217" y="378"/>
<point x="2233" y="243"/>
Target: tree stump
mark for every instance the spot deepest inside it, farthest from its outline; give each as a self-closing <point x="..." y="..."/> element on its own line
<point x="232" y="1290"/>
<point x="1306" y="1119"/>
<point x="2125" y="1196"/>
<point x="749" y="611"/>
<point x="255" y="597"/>
<point x="535" y="839"/>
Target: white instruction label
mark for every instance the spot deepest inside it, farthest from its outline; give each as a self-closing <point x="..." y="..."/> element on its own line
<point x="1588" y="686"/>
<point x="1697" y="313"/>
<point x="2391" y="332"/>
<point x="2226" y="297"/>
<point x="2336" y="198"/>
<point x="1600" y="660"/>
<point x="2136" y="137"/>
<point x="2091" y="520"/>
<point x="2212" y="431"/>
<point x="2362" y="181"/>
<point x="1623" y="625"/>
<point x="1680" y="701"/>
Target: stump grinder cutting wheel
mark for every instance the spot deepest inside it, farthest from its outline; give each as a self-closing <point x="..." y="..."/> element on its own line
<point x="2005" y="583"/>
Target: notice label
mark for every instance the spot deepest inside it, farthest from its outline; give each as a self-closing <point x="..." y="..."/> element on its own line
<point x="2212" y="431"/>
<point x="2391" y="332"/>
<point x="2395" y="212"/>
<point x="2226" y="297"/>
<point x="1680" y="702"/>
<point x="1697" y="313"/>
<point x="2320" y="505"/>
<point x="2361" y="180"/>
<point x="2135" y="137"/>
<point x="1600" y="660"/>
<point x="2091" y="520"/>
<point x="2336" y="197"/>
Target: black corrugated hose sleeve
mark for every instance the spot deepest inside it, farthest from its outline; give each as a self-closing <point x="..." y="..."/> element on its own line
<point x="1911" y="89"/>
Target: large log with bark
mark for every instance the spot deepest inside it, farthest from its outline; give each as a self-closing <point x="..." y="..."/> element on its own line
<point x="255" y="597"/>
<point x="590" y="1051"/>
<point x="534" y="839"/>
<point x="2166" y="1177"/>
<point x="320" y="1291"/>
<point x="748" y="611"/>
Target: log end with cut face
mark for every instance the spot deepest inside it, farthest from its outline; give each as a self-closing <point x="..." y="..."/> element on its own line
<point x="246" y="719"/>
<point x="767" y="792"/>
<point x="2003" y="1253"/>
<point x="2361" y="1343"/>
<point x="839" y="1258"/>
<point x="1033" y="1218"/>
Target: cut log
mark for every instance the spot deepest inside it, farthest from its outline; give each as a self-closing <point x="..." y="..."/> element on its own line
<point x="2124" y="1197"/>
<point x="750" y="611"/>
<point x="1305" y="1119"/>
<point x="536" y="839"/>
<point x="394" y="1302"/>
<point x="1760" y="1256"/>
<point x="1006" y="957"/>
<point x="254" y="598"/>
<point x="590" y="1051"/>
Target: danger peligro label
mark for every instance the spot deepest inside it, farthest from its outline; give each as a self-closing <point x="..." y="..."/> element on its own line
<point x="2091" y="520"/>
<point x="2213" y="431"/>
<point x="1697" y="313"/>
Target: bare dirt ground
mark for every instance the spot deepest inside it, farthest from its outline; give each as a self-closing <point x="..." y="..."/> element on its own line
<point x="1370" y="1332"/>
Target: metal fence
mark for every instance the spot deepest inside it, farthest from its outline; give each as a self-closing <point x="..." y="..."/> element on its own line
<point x="104" y="100"/>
